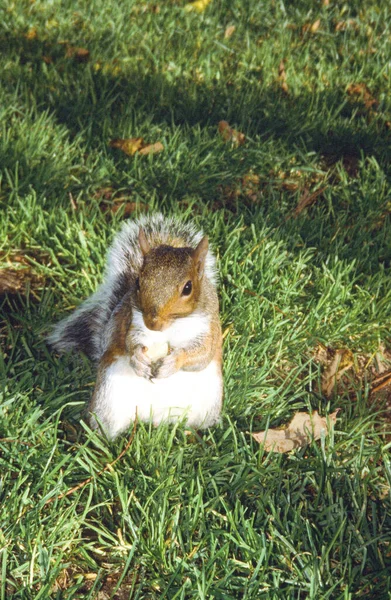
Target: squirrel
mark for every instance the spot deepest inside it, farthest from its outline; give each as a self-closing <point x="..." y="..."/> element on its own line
<point x="153" y="328"/>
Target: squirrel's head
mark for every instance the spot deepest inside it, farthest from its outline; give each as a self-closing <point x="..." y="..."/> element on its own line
<point x="169" y="284"/>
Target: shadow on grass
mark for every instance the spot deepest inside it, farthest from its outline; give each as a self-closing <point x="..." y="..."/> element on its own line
<point x="324" y="125"/>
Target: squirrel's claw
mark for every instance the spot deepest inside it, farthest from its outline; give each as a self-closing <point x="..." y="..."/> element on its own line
<point x="165" y="367"/>
<point x="141" y="363"/>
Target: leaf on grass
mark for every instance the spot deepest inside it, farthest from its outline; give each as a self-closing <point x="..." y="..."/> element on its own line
<point x="382" y="360"/>
<point x="231" y="135"/>
<point x="151" y="148"/>
<point x="127" y="207"/>
<point x="128" y="145"/>
<point x="374" y="368"/>
<point x="197" y="6"/>
<point x="341" y="361"/>
<point x="361" y="92"/>
<point x="315" y="26"/>
<point x="32" y="34"/>
<point x="132" y="145"/>
<point x="80" y="55"/>
<point x="15" y="281"/>
<point x="301" y="430"/>
<point x="344" y="25"/>
<point x="229" y="31"/>
<point x="282" y="77"/>
<point x="307" y="199"/>
<point x="311" y="27"/>
<point x="111" y="201"/>
<point x="384" y="381"/>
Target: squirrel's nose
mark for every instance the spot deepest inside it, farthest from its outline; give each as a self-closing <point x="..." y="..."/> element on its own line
<point x="153" y="322"/>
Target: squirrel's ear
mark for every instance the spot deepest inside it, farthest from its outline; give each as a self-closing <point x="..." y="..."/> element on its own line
<point x="199" y="255"/>
<point x="144" y="245"/>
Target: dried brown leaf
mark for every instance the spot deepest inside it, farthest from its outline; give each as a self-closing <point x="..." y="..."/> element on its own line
<point x="301" y="430"/>
<point x="15" y="281"/>
<point x="229" y="31"/>
<point x="382" y="360"/>
<point x="343" y="25"/>
<point x="127" y="207"/>
<point x="282" y="77"/>
<point x="315" y="26"/>
<point x="307" y="199"/>
<point x="281" y="70"/>
<point x="197" y="6"/>
<point x="32" y="34"/>
<point x="80" y="55"/>
<point x="363" y="93"/>
<point x="250" y="186"/>
<point x="341" y="361"/>
<point x="231" y="135"/>
<point x="381" y="382"/>
<point x="151" y="148"/>
<point x="128" y="145"/>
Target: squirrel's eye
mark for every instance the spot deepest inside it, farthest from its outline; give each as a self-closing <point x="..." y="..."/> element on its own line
<point x="187" y="289"/>
<point x="138" y="284"/>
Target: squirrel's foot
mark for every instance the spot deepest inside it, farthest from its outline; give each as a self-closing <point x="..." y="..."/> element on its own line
<point x="141" y="363"/>
<point x="167" y="366"/>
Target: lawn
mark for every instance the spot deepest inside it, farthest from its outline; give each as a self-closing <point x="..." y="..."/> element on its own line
<point x="298" y="210"/>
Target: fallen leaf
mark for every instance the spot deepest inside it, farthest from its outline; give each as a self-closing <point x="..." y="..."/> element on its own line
<point x="15" y="281"/>
<point x="382" y="360"/>
<point x="231" y="135"/>
<point x="381" y="382"/>
<point x="250" y="186"/>
<point x="151" y="148"/>
<point x="32" y="34"/>
<point x="363" y="93"/>
<point x="342" y="361"/>
<point x="229" y="31"/>
<point x="311" y="27"/>
<point x="128" y="145"/>
<point x="81" y="55"/>
<point x="127" y="207"/>
<point x="301" y="430"/>
<point x="282" y="77"/>
<point x="343" y="25"/>
<point x="315" y="26"/>
<point x="111" y="201"/>
<point x="306" y="199"/>
<point x="197" y="6"/>
<point x="104" y="193"/>
<point x="11" y="281"/>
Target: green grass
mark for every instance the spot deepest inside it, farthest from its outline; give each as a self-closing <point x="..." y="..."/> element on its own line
<point x="190" y="517"/>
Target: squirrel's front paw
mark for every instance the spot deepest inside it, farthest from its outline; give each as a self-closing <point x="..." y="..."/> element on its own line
<point x="141" y="363"/>
<point x="165" y="367"/>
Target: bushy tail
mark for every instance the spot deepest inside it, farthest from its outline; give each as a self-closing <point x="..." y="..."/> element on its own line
<point x="85" y="329"/>
<point x="78" y="332"/>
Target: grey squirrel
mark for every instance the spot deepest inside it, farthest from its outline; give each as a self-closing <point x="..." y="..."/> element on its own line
<point x="153" y="328"/>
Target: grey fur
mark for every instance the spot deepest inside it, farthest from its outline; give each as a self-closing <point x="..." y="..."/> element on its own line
<point x="89" y="327"/>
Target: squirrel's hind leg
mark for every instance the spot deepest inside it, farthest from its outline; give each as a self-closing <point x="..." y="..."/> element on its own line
<point x="113" y="404"/>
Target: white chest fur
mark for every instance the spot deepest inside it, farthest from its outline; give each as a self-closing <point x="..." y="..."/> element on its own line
<point x="178" y="335"/>
<point x="195" y="396"/>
